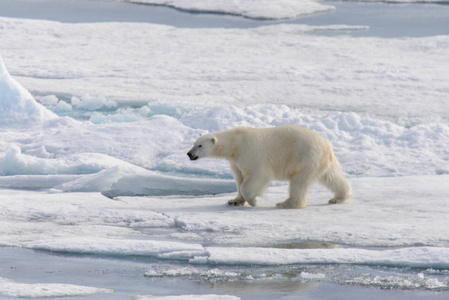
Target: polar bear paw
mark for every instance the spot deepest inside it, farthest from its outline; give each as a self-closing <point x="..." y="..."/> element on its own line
<point x="289" y="204"/>
<point x="337" y="201"/>
<point x="236" y="202"/>
<point x="282" y="205"/>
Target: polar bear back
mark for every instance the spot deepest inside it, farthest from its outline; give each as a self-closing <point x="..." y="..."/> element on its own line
<point x="281" y="152"/>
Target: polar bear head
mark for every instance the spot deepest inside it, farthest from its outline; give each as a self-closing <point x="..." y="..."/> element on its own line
<point x="203" y="147"/>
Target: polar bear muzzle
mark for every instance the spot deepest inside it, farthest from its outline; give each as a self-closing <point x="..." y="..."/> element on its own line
<point x="192" y="156"/>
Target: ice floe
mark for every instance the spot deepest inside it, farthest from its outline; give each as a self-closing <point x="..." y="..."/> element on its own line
<point x="400" y="78"/>
<point x="265" y="9"/>
<point x="14" y="289"/>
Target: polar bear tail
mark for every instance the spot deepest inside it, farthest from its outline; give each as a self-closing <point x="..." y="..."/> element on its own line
<point x="334" y="180"/>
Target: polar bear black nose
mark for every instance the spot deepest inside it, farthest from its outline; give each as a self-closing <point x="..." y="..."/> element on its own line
<point x="191" y="156"/>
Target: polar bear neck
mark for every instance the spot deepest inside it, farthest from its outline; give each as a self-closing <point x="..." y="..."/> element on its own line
<point x="226" y="146"/>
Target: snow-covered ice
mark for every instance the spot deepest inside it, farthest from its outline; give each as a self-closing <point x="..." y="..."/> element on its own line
<point x="258" y="9"/>
<point x="17" y="106"/>
<point x="275" y="64"/>
<point x="95" y="163"/>
<point x="177" y="228"/>
<point x="14" y="289"/>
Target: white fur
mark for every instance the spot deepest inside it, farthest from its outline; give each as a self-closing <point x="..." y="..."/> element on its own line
<point x="258" y="156"/>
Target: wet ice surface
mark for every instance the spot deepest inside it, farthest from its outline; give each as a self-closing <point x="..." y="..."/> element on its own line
<point x="173" y="244"/>
<point x="99" y="200"/>
<point x="124" y="276"/>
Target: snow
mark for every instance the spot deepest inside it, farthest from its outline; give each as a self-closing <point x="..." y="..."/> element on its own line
<point x="14" y="289"/>
<point x="91" y="223"/>
<point x="257" y="9"/>
<point x="192" y="271"/>
<point x="17" y="106"/>
<point x="92" y="103"/>
<point x="160" y="249"/>
<point x="418" y="257"/>
<point x="275" y="64"/>
<point x="109" y="175"/>
<point x="364" y="145"/>
<point x="154" y="184"/>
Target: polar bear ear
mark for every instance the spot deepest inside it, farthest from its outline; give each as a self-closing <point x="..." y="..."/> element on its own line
<point x="201" y="134"/>
<point x="214" y="140"/>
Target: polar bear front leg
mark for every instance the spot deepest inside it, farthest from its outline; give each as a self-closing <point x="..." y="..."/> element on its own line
<point x="238" y="177"/>
<point x="299" y="187"/>
<point x="253" y="185"/>
<point x="237" y="202"/>
<point x="337" y="200"/>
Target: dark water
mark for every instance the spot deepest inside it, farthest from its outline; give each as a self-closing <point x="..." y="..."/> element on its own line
<point x="384" y="19"/>
<point x="125" y="275"/>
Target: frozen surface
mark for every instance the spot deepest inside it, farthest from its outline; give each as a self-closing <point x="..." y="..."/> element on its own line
<point x="275" y="64"/>
<point x="382" y="227"/>
<point x="14" y="289"/>
<point x="17" y="106"/>
<point x="99" y="171"/>
<point x="91" y="223"/>
<point x="406" y="257"/>
<point x="257" y="9"/>
<point x="370" y="135"/>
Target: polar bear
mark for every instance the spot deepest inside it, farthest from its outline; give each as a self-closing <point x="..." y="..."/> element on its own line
<point x="258" y="156"/>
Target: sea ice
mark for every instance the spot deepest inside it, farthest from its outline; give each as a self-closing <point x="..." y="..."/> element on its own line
<point x="257" y="9"/>
<point x="160" y="249"/>
<point x="154" y="184"/>
<point x="17" y="106"/>
<point x="417" y="257"/>
<point x="278" y="64"/>
<point x="380" y="102"/>
<point x="91" y="223"/>
<point x="88" y="102"/>
<point x="10" y="288"/>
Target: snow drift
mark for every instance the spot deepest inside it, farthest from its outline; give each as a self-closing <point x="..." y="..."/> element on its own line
<point x="17" y="106"/>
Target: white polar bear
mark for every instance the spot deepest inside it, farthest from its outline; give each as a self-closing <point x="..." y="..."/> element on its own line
<point x="258" y="156"/>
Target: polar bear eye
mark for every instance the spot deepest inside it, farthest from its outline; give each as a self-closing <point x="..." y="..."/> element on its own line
<point x="200" y="146"/>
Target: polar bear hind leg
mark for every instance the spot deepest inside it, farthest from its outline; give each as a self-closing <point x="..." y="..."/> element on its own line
<point x="333" y="179"/>
<point x="299" y="187"/>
